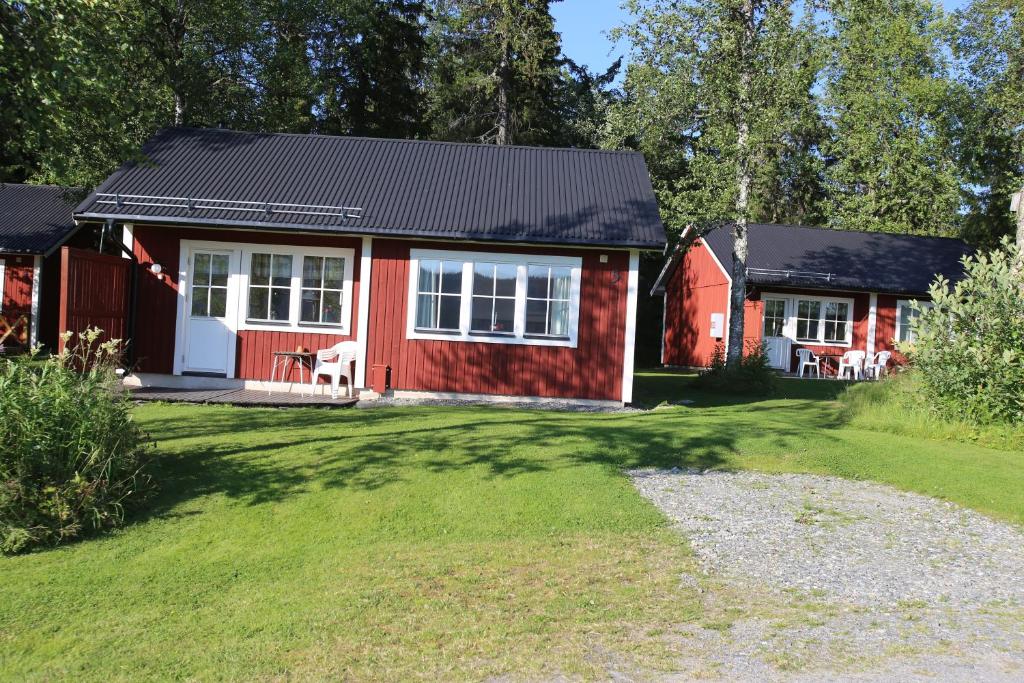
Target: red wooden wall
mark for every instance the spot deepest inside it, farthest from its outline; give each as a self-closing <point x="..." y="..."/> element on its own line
<point x="158" y="302"/>
<point x="696" y="289"/>
<point x="94" y="292"/>
<point x="17" y="285"/>
<point x="592" y="370"/>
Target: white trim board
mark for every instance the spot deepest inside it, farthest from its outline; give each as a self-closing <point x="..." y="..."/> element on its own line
<point x="872" y="324"/>
<point x="629" y="351"/>
<point x="37" y="274"/>
<point x="363" y="323"/>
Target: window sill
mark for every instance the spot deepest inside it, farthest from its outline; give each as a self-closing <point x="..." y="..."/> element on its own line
<point x="307" y="328"/>
<point x="498" y="338"/>
<point x="817" y="342"/>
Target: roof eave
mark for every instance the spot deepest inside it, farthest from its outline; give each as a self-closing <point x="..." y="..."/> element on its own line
<point x="355" y="230"/>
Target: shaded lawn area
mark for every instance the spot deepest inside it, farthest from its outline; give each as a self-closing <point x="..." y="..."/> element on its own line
<point x="429" y="542"/>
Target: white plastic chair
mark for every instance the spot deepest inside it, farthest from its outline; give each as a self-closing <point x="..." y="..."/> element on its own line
<point x="854" y="362"/>
<point x="876" y="369"/>
<point x="335" y="362"/>
<point x="809" y="361"/>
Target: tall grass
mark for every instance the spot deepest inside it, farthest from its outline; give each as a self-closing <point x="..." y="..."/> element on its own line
<point x="900" y="405"/>
<point x="71" y="456"/>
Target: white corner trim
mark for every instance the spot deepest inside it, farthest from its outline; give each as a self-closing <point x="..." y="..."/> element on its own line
<point x="37" y="272"/>
<point x="362" y="325"/>
<point x="872" y="323"/>
<point x="3" y="280"/>
<point x="128" y="239"/>
<point x="629" y="351"/>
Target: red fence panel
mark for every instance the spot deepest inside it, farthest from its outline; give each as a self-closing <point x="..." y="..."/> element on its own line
<point x="94" y="292"/>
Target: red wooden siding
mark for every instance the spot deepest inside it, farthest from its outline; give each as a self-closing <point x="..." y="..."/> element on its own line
<point x="696" y="289"/>
<point x="158" y="299"/>
<point x="592" y="370"/>
<point x="93" y="292"/>
<point x="17" y="285"/>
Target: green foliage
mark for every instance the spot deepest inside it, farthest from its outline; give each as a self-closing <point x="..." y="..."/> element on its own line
<point x="898" y="405"/>
<point x="680" y="108"/>
<point x="752" y="375"/>
<point x="969" y="347"/>
<point x="887" y="94"/>
<point x="72" y="459"/>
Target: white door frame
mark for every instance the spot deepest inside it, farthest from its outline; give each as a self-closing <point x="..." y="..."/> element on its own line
<point x="786" y="332"/>
<point x="184" y="286"/>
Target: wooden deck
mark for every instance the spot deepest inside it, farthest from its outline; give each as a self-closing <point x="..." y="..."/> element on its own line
<point x="242" y="397"/>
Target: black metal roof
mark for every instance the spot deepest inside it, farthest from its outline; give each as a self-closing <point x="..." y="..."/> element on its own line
<point x="444" y="190"/>
<point x="35" y="218"/>
<point x="821" y="258"/>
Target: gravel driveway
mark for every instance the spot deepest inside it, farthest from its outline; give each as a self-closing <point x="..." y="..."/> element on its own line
<point x="819" y="577"/>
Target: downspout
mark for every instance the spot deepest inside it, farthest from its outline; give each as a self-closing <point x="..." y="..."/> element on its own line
<point x="133" y="293"/>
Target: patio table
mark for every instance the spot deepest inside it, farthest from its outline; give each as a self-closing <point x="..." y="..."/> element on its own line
<point x="286" y="361"/>
<point x="830" y="367"/>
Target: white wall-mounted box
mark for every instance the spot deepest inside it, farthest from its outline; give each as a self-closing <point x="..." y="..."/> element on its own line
<point x="718" y="325"/>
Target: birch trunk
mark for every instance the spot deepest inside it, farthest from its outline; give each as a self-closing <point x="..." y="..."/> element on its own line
<point x="503" y="135"/>
<point x="1020" y="218"/>
<point x="738" y="292"/>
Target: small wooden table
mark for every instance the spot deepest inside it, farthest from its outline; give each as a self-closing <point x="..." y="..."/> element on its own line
<point x="286" y="360"/>
<point x="825" y="358"/>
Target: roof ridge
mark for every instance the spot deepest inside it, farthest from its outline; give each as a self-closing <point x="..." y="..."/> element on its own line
<point x="451" y="143"/>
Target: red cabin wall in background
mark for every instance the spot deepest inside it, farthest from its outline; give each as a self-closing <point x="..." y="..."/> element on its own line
<point x="158" y="299"/>
<point x="697" y="288"/>
<point x="593" y="370"/>
<point x="17" y="285"/>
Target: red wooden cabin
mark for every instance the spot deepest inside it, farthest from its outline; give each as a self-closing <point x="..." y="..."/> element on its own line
<point x="35" y="220"/>
<point x="467" y="270"/>
<point x="826" y="290"/>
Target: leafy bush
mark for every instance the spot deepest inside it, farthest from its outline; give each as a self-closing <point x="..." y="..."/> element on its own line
<point x="753" y="375"/>
<point x="72" y="457"/>
<point x="969" y="347"/>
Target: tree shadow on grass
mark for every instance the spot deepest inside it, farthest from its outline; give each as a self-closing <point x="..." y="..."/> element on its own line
<point x="259" y="456"/>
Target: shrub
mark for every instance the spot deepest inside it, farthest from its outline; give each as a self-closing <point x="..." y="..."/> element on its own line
<point x="969" y="347"/>
<point x="72" y="457"/>
<point x="753" y="375"/>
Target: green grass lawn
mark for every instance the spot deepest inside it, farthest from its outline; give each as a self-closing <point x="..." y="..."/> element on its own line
<point x="446" y="543"/>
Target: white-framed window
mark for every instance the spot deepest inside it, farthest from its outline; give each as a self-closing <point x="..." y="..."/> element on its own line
<point x="774" y="317"/>
<point x="905" y="315"/>
<point x="494" y="298"/>
<point x="298" y="289"/>
<point x="210" y="272"/>
<point x="824" y="320"/>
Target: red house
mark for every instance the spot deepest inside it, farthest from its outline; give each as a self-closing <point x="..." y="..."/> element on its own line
<point x="826" y="290"/>
<point x="467" y="270"/>
<point x="35" y="220"/>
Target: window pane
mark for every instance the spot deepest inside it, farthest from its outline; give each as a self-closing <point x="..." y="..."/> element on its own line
<point x="537" y="282"/>
<point x="842" y="311"/>
<point x="430" y="276"/>
<point x="334" y="273"/>
<point x="312" y="271"/>
<point x="200" y="298"/>
<point x="839" y="334"/>
<point x="310" y="312"/>
<point x="260" y="270"/>
<point x="450" y="308"/>
<point x="812" y="329"/>
<point x="481" y="318"/>
<point x="201" y="268"/>
<point x="282" y="270"/>
<point x="451" y="278"/>
<point x="536" y="316"/>
<point x="259" y="299"/>
<point x="426" y="310"/>
<point x="809" y="309"/>
<point x="505" y="279"/>
<point x="219" y="270"/>
<point x="483" y="279"/>
<point x="558" y="324"/>
<point x="218" y="302"/>
<point x="560" y="283"/>
<point x="504" y="315"/>
<point x="279" y="303"/>
<point x="332" y="307"/>
<point x="830" y="331"/>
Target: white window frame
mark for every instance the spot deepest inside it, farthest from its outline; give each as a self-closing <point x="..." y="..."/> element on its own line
<point x="900" y="304"/>
<point x="523" y="262"/>
<point x="789" y="330"/>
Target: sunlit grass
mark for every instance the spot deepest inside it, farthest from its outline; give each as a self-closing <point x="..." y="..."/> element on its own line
<point x="436" y="542"/>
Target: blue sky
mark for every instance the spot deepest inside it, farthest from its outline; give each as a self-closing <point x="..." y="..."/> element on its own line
<point x="584" y="25"/>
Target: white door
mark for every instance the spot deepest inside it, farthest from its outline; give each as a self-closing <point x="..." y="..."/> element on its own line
<point x="209" y="308"/>
<point x="776" y="311"/>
